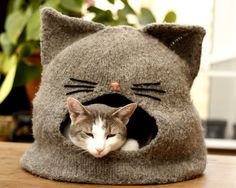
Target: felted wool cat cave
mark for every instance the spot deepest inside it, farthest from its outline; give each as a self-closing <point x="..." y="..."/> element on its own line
<point x="155" y="67"/>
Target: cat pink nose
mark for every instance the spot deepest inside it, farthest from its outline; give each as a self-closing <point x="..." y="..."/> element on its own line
<point x="99" y="150"/>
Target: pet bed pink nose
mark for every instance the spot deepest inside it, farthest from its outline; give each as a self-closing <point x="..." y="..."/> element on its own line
<point x="115" y="86"/>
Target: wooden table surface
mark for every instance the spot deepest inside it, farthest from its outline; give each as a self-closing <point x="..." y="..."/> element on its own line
<point x="220" y="173"/>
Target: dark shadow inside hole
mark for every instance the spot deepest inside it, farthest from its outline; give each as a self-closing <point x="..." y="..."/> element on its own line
<point x="141" y="127"/>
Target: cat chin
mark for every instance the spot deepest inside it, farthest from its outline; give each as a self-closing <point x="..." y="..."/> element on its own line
<point x="99" y="155"/>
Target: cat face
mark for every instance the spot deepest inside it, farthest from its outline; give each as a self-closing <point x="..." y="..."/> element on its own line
<point x="98" y="129"/>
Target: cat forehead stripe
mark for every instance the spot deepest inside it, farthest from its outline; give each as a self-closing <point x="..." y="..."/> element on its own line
<point x="98" y="127"/>
<point x="99" y="122"/>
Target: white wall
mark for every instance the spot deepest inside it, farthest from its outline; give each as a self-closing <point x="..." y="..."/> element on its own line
<point x="223" y="93"/>
<point x="222" y="96"/>
<point x="224" y="29"/>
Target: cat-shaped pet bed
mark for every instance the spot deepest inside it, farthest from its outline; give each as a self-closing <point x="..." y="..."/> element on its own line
<point x="155" y="67"/>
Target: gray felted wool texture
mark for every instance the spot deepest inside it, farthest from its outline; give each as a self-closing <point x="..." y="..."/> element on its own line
<point x="165" y="53"/>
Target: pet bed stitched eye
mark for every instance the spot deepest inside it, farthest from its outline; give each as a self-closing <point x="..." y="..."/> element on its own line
<point x="155" y="66"/>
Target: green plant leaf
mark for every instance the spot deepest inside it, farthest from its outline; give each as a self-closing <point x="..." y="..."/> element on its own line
<point x="122" y="19"/>
<point x="15" y="24"/>
<point x="5" y="44"/>
<point x="95" y="10"/>
<point x="1" y="62"/>
<point x="128" y="9"/>
<point x="7" y="84"/>
<point x="102" y="16"/>
<point x="33" y="27"/>
<point x="105" y="18"/>
<point x="14" y="5"/>
<point x="52" y="3"/>
<point x="6" y="63"/>
<point x="72" y="5"/>
<point x="146" y="17"/>
<point x="170" y="17"/>
<point x="111" y="1"/>
<point x="26" y="72"/>
<point x="35" y="5"/>
<point x="25" y="49"/>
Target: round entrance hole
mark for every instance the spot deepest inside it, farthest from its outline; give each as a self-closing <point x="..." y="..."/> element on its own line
<point x="141" y="127"/>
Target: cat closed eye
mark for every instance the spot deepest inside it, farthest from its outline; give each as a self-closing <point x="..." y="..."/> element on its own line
<point x="89" y="134"/>
<point x="110" y="135"/>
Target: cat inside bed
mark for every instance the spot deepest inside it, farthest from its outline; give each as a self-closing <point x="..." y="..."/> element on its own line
<point x="99" y="129"/>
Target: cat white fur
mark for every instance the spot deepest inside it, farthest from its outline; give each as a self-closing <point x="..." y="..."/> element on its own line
<point x="130" y="145"/>
<point x="99" y="142"/>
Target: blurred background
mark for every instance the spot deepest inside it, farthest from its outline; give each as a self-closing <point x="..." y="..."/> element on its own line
<point x="213" y="92"/>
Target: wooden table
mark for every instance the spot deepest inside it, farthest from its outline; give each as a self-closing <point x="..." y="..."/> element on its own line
<point x="221" y="146"/>
<point x="220" y="173"/>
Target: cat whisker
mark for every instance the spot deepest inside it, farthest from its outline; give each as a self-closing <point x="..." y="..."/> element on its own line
<point x="83" y="81"/>
<point x="148" y="89"/>
<point x="149" y="96"/>
<point x="82" y="152"/>
<point x="79" y="91"/>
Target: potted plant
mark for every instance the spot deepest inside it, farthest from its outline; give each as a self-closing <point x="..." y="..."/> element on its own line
<point x="20" y="57"/>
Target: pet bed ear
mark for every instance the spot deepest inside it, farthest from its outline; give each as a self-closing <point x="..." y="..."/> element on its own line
<point x="59" y="31"/>
<point x="186" y="41"/>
